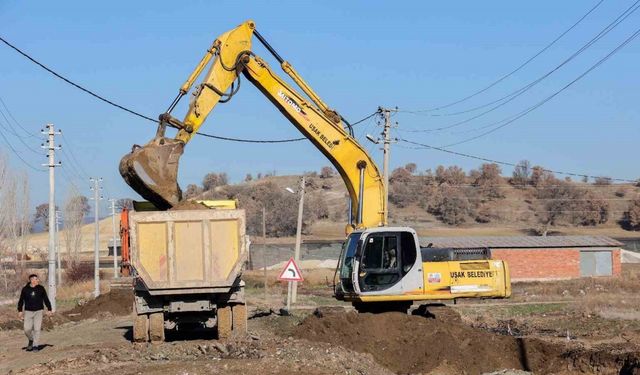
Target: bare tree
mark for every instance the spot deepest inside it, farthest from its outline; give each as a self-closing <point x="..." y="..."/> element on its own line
<point x="74" y="213"/>
<point x="213" y="180"/>
<point x="192" y="191"/>
<point x="123" y="203"/>
<point x="521" y="173"/>
<point x="602" y="181"/>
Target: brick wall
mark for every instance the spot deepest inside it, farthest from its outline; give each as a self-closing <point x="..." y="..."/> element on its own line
<point x="616" y="262"/>
<point x="547" y="264"/>
<point x="540" y="263"/>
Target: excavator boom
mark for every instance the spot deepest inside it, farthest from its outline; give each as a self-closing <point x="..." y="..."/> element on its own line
<point x="151" y="170"/>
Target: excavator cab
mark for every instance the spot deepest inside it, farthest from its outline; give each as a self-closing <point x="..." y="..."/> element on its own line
<point x="376" y="261"/>
<point x="152" y="171"/>
<point x="385" y="269"/>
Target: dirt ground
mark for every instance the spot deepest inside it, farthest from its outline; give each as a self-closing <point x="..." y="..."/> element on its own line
<point x="587" y="326"/>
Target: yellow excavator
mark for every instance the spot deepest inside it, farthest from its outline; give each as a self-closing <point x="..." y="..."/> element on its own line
<point x="380" y="267"/>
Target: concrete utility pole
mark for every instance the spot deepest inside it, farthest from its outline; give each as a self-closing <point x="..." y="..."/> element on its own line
<point x="58" y="247"/>
<point x="386" y="149"/>
<point x="115" y="248"/>
<point x="96" y="252"/>
<point x="51" y="148"/>
<point x="296" y="254"/>
<point x="264" y="250"/>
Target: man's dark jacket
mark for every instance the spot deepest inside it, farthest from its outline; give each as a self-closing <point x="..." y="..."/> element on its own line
<point x="33" y="298"/>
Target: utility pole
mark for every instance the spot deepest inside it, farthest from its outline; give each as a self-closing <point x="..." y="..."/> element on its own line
<point x="96" y="251"/>
<point x="296" y="254"/>
<point x="58" y="247"/>
<point x="264" y="250"/>
<point x="115" y="248"/>
<point x="386" y="149"/>
<point x="51" y="148"/>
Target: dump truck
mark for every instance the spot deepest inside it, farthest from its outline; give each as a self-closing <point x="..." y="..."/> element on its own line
<point x="187" y="267"/>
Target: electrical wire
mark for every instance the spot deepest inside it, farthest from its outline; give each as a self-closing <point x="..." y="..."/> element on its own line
<point x="17" y="154"/>
<point x="523" y="113"/>
<point x="17" y="136"/>
<point x="101" y="98"/>
<point x="469" y="156"/>
<point x="515" y="94"/>
<point x="516" y="69"/>
<point x="30" y="134"/>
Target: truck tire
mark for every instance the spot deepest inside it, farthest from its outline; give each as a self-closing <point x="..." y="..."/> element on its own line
<point x="225" y="322"/>
<point x="239" y="319"/>
<point x="156" y="327"/>
<point x="141" y="328"/>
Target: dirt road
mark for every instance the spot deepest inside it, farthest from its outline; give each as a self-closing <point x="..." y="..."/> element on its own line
<point x="102" y="347"/>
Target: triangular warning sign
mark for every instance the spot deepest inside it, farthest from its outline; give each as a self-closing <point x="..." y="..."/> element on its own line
<point x="291" y="272"/>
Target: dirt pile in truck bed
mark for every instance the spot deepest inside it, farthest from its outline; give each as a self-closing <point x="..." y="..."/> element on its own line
<point x="415" y="344"/>
<point x="188" y="205"/>
<point x="117" y="302"/>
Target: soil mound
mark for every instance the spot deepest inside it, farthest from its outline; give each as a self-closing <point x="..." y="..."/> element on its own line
<point x="418" y="344"/>
<point x="117" y="302"/>
<point x="188" y="205"/>
<point x="413" y="344"/>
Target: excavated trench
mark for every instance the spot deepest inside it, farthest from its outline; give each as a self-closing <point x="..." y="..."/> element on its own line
<point x="418" y="344"/>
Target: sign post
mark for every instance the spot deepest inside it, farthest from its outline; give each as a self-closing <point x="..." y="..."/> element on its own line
<point x="290" y="273"/>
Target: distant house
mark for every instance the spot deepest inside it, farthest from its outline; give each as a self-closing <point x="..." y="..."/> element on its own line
<point x="545" y="258"/>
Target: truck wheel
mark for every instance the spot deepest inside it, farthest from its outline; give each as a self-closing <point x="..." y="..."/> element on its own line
<point x="239" y="319"/>
<point x="224" y="322"/>
<point x="156" y="327"/>
<point x="141" y="328"/>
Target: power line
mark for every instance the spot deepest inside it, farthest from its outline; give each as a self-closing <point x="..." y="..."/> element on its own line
<point x="515" y="94"/>
<point x="17" y="154"/>
<point x="516" y="69"/>
<point x="544" y="101"/>
<point x="16" y="135"/>
<point x="469" y="156"/>
<point x="30" y="134"/>
<point x="101" y="98"/>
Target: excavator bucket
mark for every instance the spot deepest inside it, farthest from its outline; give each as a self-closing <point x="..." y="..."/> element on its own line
<point x="152" y="171"/>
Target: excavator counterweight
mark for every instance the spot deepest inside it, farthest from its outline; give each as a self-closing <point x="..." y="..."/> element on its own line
<point x="152" y="171"/>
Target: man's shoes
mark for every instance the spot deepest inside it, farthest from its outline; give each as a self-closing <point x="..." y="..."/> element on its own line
<point x="30" y="346"/>
<point x="36" y="348"/>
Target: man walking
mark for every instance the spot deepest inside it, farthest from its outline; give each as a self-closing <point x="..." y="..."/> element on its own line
<point x="33" y="297"/>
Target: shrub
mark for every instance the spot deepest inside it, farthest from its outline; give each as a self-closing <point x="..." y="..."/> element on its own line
<point x="489" y="181"/>
<point x="326" y="172"/>
<point x="453" y="175"/>
<point x="602" y="181"/>
<point x="454" y="208"/>
<point x="632" y="214"/>
<point x="79" y="271"/>
<point x="192" y="191"/>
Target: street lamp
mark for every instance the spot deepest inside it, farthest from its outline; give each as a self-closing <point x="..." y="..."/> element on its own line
<point x="372" y="139"/>
<point x="293" y="288"/>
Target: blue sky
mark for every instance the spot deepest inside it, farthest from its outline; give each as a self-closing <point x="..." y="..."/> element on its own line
<point x="357" y="55"/>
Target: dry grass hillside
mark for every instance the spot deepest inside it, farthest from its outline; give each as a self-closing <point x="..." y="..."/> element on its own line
<point x="447" y="202"/>
<point x="419" y="200"/>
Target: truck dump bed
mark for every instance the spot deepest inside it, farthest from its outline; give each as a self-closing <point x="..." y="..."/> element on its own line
<point x="188" y="249"/>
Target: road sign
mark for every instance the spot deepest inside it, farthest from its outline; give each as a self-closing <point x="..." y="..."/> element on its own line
<point x="290" y="272"/>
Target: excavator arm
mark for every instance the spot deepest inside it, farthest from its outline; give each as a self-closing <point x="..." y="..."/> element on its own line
<point x="152" y="170"/>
